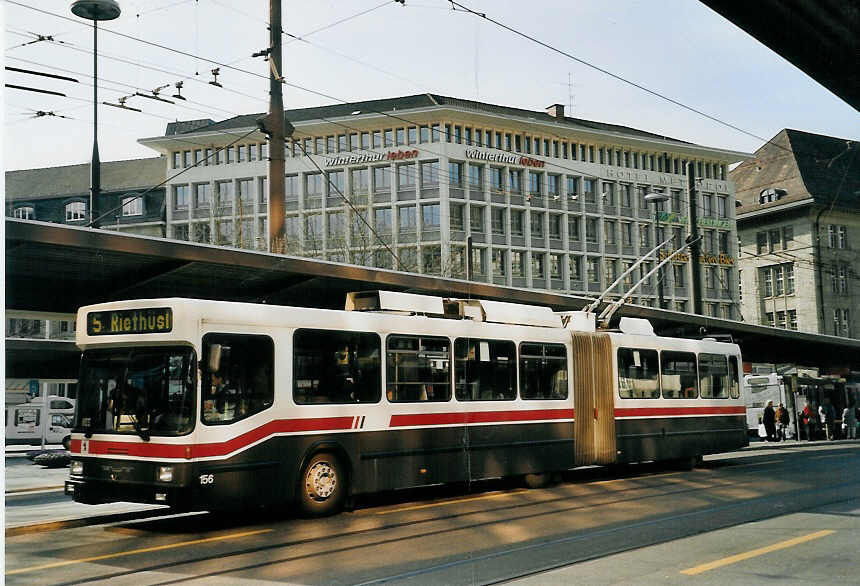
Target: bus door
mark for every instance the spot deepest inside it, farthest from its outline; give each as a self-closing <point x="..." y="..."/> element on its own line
<point x="593" y="399"/>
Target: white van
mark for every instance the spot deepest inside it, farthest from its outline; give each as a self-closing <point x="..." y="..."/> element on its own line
<point x="26" y="423"/>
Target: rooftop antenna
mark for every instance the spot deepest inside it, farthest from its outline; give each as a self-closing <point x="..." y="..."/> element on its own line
<point x="215" y="73"/>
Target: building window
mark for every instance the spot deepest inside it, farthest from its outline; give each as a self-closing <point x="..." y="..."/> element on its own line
<point x="792" y="319"/>
<point x="609" y="231"/>
<point x="430" y="174"/>
<point x="382" y="178"/>
<point x="430" y="216"/>
<point x="771" y="194"/>
<point x="516" y="223"/>
<point x="555" y="266"/>
<point x="498" y="220"/>
<point x="455" y="174"/>
<point x="360" y="179"/>
<point x="497" y="179"/>
<point x="555" y="226"/>
<point x="76" y="211"/>
<point x="382" y="219"/>
<point x="588" y="190"/>
<point x="591" y="230"/>
<point x="407" y="219"/>
<point x="575" y="265"/>
<point x="314" y="184"/>
<point x="626" y="234"/>
<point x="406" y="177"/>
<point x="515" y="182"/>
<point x="593" y="269"/>
<point x="291" y="187"/>
<point x="24" y="213"/>
<point x="476" y="219"/>
<point x="843" y="278"/>
<point x="201" y="195"/>
<point x="476" y="175"/>
<point x="552" y="186"/>
<point x="518" y="267"/>
<point x="573" y="233"/>
<point x="535" y="183"/>
<point x="457" y="215"/>
<point x="538" y="266"/>
<point x="133" y="206"/>
<point x="678" y="274"/>
<point x="246" y="195"/>
<point x="498" y="258"/>
<point x="537" y="224"/>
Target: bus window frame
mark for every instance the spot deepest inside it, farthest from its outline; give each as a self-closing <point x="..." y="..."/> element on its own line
<point x="543" y="357"/>
<point x="389" y="393"/>
<point x="659" y="389"/>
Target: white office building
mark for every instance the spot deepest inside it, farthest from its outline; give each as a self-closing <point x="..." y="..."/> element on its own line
<point x="550" y="202"/>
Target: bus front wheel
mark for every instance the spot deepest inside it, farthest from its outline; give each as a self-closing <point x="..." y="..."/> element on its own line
<point x="322" y="486"/>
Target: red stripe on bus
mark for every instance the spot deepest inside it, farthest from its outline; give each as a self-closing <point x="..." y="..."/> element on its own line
<point x="665" y="411"/>
<point x="156" y="450"/>
<point x="412" y="419"/>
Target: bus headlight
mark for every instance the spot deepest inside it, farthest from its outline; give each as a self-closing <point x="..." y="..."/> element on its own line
<point x="76" y="468"/>
<point x="165" y="473"/>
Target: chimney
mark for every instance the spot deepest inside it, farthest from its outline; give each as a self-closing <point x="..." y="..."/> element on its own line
<point x="556" y="110"/>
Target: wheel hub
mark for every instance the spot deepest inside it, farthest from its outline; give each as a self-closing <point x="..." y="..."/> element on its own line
<point x="320" y="481"/>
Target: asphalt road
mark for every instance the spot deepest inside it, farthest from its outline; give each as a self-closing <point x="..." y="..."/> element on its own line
<point x="738" y="517"/>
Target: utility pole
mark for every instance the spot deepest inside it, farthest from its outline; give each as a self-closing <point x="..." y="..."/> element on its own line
<point x="695" y="245"/>
<point x="273" y="126"/>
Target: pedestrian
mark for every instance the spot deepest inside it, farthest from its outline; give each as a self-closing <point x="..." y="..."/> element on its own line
<point x="849" y="421"/>
<point x="827" y="414"/>
<point x="768" y="419"/>
<point x="808" y="420"/>
<point x="782" y="421"/>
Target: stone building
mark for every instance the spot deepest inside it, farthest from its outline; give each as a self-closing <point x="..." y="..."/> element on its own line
<point x="61" y="195"/>
<point x="799" y="228"/>
<point x="550" y="202"/>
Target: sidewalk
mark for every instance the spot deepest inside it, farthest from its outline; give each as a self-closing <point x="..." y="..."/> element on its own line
<point x="34" y="483"/>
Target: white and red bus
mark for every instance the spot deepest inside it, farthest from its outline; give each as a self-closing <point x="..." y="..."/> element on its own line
<point x="208" y="404"/>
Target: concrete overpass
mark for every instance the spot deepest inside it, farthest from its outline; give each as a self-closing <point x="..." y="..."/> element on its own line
<point x="56" y="268"/>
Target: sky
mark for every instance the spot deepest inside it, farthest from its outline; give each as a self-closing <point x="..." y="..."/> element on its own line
<point x="678" y="48"/>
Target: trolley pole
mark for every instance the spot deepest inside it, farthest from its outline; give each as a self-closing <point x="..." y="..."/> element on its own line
<point x="695" y="248"/>
<point x="273" y="125"/>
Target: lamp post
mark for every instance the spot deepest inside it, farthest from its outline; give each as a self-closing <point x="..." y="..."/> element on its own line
<point x="657" y="199"/>
<point x="95" y="10"/>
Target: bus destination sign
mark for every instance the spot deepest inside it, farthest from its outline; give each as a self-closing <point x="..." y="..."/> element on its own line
<point x="156" y="320"/>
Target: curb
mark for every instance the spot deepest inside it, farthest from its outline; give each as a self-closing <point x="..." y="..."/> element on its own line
<point x="15" y="491"/>
<point x="82" y="522"/>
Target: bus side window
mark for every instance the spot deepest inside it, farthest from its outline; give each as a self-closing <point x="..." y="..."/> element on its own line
<point x="244" y="383"/>
<point x="714" y="376"/>
<point x="485" y="370"/>
<point x="418" y="368"/>
<point x="336" y="367"/>
<point x="734" y="386"/>
<point x="543" y="371"/>
<point x="679" y="379"/>
<point x="638" y="374"/>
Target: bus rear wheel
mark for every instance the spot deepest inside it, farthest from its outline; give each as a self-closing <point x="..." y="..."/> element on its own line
<point x="322" y="486"/>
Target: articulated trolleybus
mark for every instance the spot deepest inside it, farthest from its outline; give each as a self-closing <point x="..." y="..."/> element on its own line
<point x="205" y="404"/>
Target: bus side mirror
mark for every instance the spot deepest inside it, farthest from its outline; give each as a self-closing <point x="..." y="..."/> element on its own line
<point x="214" y="357"/>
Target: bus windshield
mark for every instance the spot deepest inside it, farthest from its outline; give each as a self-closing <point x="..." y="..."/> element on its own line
<point x="143" y="391"/>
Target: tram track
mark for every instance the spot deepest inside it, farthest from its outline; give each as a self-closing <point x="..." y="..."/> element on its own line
<point x="634" y="493"/>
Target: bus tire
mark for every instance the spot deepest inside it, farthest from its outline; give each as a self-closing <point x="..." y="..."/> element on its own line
<point x="67" y="442"/>
<point x="322" y="486"/>
<point x="537" y="480"/>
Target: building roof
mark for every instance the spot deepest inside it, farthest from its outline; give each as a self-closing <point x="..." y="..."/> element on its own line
<point x="130" y="175"/>
<point x="392" y="105"/>
<point x="822" y="169"/>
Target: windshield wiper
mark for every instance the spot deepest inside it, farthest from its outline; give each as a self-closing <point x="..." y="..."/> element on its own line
<point x="143" y="433"/>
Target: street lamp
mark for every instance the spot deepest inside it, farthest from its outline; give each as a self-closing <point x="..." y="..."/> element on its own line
<point x="657" y="199"/>
<point x="95" y="10"/>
